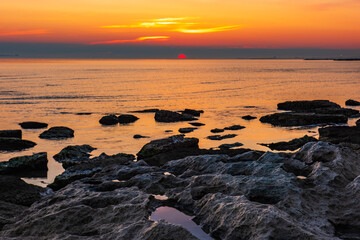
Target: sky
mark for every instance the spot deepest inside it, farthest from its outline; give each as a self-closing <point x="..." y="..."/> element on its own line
<point x="232" y="24"/>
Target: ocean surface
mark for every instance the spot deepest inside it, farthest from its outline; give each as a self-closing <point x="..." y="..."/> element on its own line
<point x="56" y="91"/>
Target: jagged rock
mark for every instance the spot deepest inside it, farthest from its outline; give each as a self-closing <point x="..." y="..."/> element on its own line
<point x="109" y="120"/>
<point x="196" y="124"/>
<point x="221" y="137"/>
<point x="351" y="102"/>
<point x="306" y="105"/>
<point x="10" y="134"/>
<point x="127" y="118"/>
<point x="248" y="117"/>
<point x="231" y="145"/>
<point x="57" y="133"/>
<point x="217" y="130"/>
<point x="337" y="134"/>
<point x="169" y="116"/>
<point x="193" y="112"/>
<point x="290" y="145"/>
<point x="33" y="125"/>
<point x="187" y="130"/>
<point x="288" y="119"/>
<point x="14" y="144"/>
<point x="71" y="154"/>
<point x="137" y="136"/>
<point x="234" y="127"/>
<point x="25" y="165"/>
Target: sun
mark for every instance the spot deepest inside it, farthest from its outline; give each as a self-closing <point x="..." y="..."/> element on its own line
<point x="182" y="56"/>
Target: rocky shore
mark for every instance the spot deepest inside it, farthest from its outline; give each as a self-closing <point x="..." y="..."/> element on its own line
<point x="232" y="193"/>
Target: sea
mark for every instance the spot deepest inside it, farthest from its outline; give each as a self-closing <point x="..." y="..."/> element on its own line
<point x="77" y="93"/>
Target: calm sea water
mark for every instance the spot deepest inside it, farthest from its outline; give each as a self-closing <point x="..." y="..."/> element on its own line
<point x="54" y="91"/>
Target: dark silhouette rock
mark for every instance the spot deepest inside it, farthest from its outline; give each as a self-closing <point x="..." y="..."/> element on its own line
<point x="33" y="125"/>
<point x="306" y="105"/>
<point x="168" y="131"/>
<point x="109" y="120"/>
<point x="151" y="110"/>
<point x="137" y="136"/>
<point x="351" y="102"/>
<point x="338" y="134"/>
<point x="71" y="154"/>
<point x="221" y="137"/>
<point x="248" y="117"/>
<point x="337" y="111"/>
<point x="193" y="112"/>
<point x="290" y="145"/>
<point x="196" y="124"/>
<point x="127" y="118"/>
<point x="187" y="130"/>
<point x="231" y="145"/>
<point x="57" y="133"/>
<point x="357" y="123"/>
<point x="169" y="116"/>
<point x="13" y="144"/>
<point x="10" y="134"/>
<point x="83" y="113"/>
<point x="217" y="130"/>
<point x="234" y="127"/>
<point x="23" y="166"/>
<point x="288" y="119"/>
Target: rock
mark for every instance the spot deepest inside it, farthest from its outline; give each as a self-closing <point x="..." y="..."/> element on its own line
<point x="291" y="145"/>
<point x="232" y="145"/>
<point x="300" y="119"/>
<point x="169" y="116"/>
<point x="358" y="123"/>
<point x="137" y="136"/>
<point x="23" y="166"/>
<point x="13" y="144"/>
<point x="248" y="117"/>
<point x="176" y="142"/>
<point x="127" y="118"/>
<point x="234" y="127"/>
<point x="83" y="113"/>
<point x="187" y="130"/>
<point x="109" y="120"/>
<point x="221" y="137"/>
<point x="10" y="134"/>
<point x="306" y="105"/>
<point x="57" y="133"/>
<point x="337" y="111"/>
<point x="151" y="110"/>
<point x="73" y="153"/>
<point x="338" y="134"/>
<point x="193" y="112"/>
<point x="168" y="131"/>
<point x="217" y="130"/>
<point x="196" y="124"/>
<point x="351" y="102"/>
<point x="33" y="125"/>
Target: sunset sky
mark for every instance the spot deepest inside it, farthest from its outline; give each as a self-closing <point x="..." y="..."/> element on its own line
<point x="333" y="24"/>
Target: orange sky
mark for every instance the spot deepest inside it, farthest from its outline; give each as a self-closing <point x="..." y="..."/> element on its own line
<point x="218" y="23"/>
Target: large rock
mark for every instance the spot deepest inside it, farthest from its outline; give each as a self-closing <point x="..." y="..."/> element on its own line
<point x="358" y="123"/>
<point x="127" y="118"/>
<point x="164" y="145"/>
<point x="25" y="165"/>
<point x="351" y="102"/>
<point x="290" y="145"/>
<point x="57" y="133"/>
<point x="14" y="144"/>
<point x="288" y="119"/>
<point x="10" y="134"/>
<point x="33" y="125"/>
<point x="337" y="134"/>
<point x="306" y="105"/>
<point x="73" y="153"/>
<point x="169" y="116"/>
<point x="109" y="120"/>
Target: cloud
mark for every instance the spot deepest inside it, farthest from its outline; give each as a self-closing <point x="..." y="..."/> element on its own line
<point x="161" y="22"/>
<point x="26" y="32"/>
<point x="209" y="30"/>
<point x="139" y="39"/>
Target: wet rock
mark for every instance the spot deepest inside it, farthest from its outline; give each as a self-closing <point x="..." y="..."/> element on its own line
<point x="196" y="124"/>
<point x="217" y="130"/>
<point x="306" y="105"/>
<point x="137" y="136"/>
<point x="57" y="133"/>
<point x="83" y="113"/>
<point x="23" y="166"/>
<point x="73" y="153"/>
<point x="169" y="116"/>
<point x="234" y="127"/>
<point x="168" y="131"/>
<point x="187" y="130"/>
<point x="33" y="125"/>
<point x="221" y="137"/>
<point x="127" y="118"/>
<point x="193" y="112"/>
<point x="10" y="134"/>
<point x="109" y="120"/>
<point x="337" y="111"/>
<point x="176" y="142"/>
<point x="288" y="119"/>
<point x="290" y="145"/>
<point x="14" y="144"/>
<point x="248" y="117"/>
<point x="151" y="110"/>
<point x="351" y="102"/>
<point x="231" y="145"/>
<point x="358" y="123"/>
<point x="338" y="134"/>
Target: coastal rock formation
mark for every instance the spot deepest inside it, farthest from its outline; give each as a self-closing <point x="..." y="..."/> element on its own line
<point x="231" y="145"/>
<point x="187" y="130"/>
<point x="169" y="116"/>
<point x="290" y="145"/>
<point x="57" y="133"/>
<point x="10" y="134"/>
<point x="23" y="166"/>
<point x="234" y="127"/>
<point x="358" y="123"/>
<point x="221" y="137"/>
<point x="70" y="154"/>
<point x="307" y="105"/>
<point x="217" y="130"/>
<point x="151" y="110"/>
<point x="33" y="125"/>
<point x="127" y="118"/>
<point x="15" y="144"/>
<point x="248" y="117"/>
<point x="196" y="124"/>
<point x="338" y="134"/>
<point x="109" y="120"/>
<point x="351" y="102"/>
<point x="193" y="112"/>
<point x="137" y="136"/>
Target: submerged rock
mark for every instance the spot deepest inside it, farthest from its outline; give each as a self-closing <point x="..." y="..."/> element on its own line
<point x="288" y="119"/>
<point x="234" y="127"/>
<point x="10" y="134"/>
<point x="217" y="130"/>
<point x="127" y="118"/>
<point x="187" y="130"/>
<point x="14" y="144"/>
<point x="290" y="145"/>
<point x="57" y="133"/>
<point x="196" y="124"/>
<point x="338" y="134"/>
<point x="248" y="117"/>
<point x="137" y="136"/>
<point x="193" y="112"/>
<point x="23" y="166"/>
<point x="151" y="110"/>
<point x="33" y="125"/>
<point x="306" y="105"/>
<point x="221" y="137"/>
<point x="231" y="145"/>
<point x="109" y="120"/>
<point x="351" y="102"/>
<point x="169" y="116"/>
